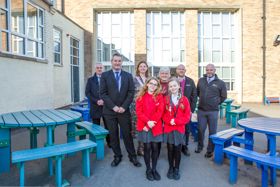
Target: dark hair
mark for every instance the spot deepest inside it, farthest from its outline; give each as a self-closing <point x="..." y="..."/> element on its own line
<point x="137" y="68"/>
<point x="117" y="55"/>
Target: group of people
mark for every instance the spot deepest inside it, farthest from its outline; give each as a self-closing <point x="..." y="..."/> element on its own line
<point x="154" y="110"/>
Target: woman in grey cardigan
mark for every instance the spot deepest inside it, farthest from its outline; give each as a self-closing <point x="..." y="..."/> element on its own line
<point x="140" y="78"/>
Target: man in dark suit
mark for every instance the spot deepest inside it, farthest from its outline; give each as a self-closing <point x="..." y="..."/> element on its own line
<point x="117" y="92"/>
<point x="189" y="90"/>
<point x="96" y="103"/>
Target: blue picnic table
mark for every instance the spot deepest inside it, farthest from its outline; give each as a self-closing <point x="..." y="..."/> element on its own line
<point x="33" y="120"/>
<point x="268" y="126"/>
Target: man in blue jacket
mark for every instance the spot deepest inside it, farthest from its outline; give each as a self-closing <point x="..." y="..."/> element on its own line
<point x="212" y="92"/>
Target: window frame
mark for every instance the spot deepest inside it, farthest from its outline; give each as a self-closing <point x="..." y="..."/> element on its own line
<point x="221" y="65"/>
<point x="130" y="63"/>
<point x="56" y="29"/>
<point x="168" y="37"/>
<point x="40" y="45"/>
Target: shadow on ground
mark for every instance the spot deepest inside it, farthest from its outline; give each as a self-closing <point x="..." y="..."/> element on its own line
<point x="195" y="170"/>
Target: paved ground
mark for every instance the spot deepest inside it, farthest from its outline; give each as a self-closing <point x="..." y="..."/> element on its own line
<point x="195" y="170"/>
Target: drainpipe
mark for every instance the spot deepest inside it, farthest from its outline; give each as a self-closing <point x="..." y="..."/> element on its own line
<point x="264" y="50"/>
<point x="62" y="6"/>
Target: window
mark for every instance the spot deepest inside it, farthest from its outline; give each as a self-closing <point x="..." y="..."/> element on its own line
<point x="74" y="51"/>
<point x="57" y="45"/>
<point x="216" y="32"/>
<point x="115" y="34"/>
<point x="22" y="28"/>
<point x="165" y="39"/>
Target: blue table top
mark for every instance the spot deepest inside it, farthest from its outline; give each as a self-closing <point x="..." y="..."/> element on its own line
<point x="38" y="118"/>
<point x="262" y="125"/>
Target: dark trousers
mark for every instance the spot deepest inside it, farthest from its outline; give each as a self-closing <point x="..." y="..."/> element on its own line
<point x="97" y="122"/>
<point x="205" y="118"/>
<point x="187" y="134"/>
<point x="113" y="122"/>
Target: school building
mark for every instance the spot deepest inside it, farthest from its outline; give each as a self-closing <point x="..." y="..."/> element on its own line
<point x="41" y="57"/>
<point x="235" y="35"/>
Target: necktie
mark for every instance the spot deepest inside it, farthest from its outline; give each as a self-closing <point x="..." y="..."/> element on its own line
<point x="98" y="79"/>
<point x="118" y="79"/>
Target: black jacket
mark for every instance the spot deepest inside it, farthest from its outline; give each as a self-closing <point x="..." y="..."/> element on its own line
<point x="92" y="93"/>
<point x="211" y="95"/>
<point x="112" y="96"/>
<point x="190" y="92"/>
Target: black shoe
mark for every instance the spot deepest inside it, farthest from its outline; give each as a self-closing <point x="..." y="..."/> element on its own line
<point x="176" y="175"/>
<point x="208" y="154"/>
<point x="116" y="161"/>
<point x="108" y="145"/>
<point x="198" y="150"/>
<point x="156" y="175"/>
<point x="185" y="151"/>
<point x="170" y="173"/>
<point x="149" y="175"/>
<point x="135" y="162"/>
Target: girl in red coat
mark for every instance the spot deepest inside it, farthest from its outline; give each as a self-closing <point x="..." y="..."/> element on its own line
<point x="176" y="115"/>
<point x="149" y="110"/>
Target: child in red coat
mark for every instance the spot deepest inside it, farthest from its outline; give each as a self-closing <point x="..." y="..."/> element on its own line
<point x="176" y="114"/>
<point x="149" y="110"/>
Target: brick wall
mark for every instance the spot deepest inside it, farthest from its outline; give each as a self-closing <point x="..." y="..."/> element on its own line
<point x="249" y="64"/>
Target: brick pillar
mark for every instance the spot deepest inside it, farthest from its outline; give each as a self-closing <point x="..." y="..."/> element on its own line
<point x="191" y="24"/>
<point x="140" y="35"/>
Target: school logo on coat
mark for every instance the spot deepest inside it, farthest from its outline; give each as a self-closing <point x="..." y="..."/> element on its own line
<point x="215" y="85"/>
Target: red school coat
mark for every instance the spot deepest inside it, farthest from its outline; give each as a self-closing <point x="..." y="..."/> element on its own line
<point x="183" y="115"/>
<point x="149" y="108"/>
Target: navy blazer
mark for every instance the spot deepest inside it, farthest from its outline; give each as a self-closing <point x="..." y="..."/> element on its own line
<point x="190" y="92"/>
<point x="112" y="96"/>
<point x="92" y="93"/>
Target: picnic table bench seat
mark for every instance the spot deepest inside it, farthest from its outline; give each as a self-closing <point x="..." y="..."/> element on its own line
<point x="238" y="114"/>
<point x="223" y="139"/>
<point x="263" y="161"/>
<point x="56" y="151"/>
<point x="223" y="108"/>
<point x="96" y="134"/>
<point x="269" y="100"/>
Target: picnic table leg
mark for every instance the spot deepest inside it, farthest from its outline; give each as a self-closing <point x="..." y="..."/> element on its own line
<point x="233" y="170"/>
<point x="5" y="149"/>
<point x="218" y="154"/>
<point x="233" y="120"/>
<point x="50" y="143"/>
<point x="21" y="174"/>
<point x="71" y="130"/>
<point x="272" y="152"/>
<point x="86" y="163"/>
<point x="228" y="107"/>
<point x="33" y="137"/>
<point x="58" y="176"/>
<point x="250" y="137"/>
<point x="264" y="176"/>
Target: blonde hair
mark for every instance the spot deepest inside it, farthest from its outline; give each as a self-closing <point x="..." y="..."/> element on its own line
<point x="144" y="89"/>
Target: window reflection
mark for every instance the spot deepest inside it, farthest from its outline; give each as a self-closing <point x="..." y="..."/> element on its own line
<point x="31" y="21"/>
<point x="17" y="16"/>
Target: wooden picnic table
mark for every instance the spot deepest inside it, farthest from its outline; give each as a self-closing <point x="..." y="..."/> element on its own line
<point x="268" y="126"/>
<point x="33" y="119"/>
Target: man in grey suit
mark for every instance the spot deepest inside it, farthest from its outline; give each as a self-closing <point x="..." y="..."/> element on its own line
<point x="117" y="92"/>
